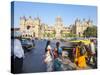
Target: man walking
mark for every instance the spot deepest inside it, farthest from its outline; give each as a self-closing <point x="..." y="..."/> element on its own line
<point x="18" y="54"/>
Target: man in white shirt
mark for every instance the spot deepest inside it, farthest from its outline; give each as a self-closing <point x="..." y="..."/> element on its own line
<point x="92" y="46"/>
<point x="18" y="50"/>
<point x="93" y="51"/>
<point x="17" y="53"/>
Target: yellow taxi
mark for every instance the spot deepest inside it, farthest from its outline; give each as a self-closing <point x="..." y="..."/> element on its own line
<point x="85" y="41"/>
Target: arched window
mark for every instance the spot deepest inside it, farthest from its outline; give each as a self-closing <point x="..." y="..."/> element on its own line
<point x="28" y="27"/>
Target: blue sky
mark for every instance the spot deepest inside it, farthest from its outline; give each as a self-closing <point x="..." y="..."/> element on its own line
<point x="48" y="12"/>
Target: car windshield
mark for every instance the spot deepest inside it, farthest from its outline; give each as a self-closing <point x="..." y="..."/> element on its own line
<point x="23" y="40"/>
<point x="26" y="41"/>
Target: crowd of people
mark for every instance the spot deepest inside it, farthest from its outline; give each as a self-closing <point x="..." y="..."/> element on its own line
<point x="83" y="56"/>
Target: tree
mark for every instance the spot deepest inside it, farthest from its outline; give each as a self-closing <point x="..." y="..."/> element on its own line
<point x="54" y="33"/>
<point x="90" y="32"/>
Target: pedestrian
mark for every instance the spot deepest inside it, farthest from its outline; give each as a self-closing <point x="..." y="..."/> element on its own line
<point x="93" y="52"/>
<point x="80" y="55"/>
<point x="48" y="57"/>
<point x="57" y="61"/>
<point x="18" y="54"/>
<point x="92" y="47"/>
<point x="82" y="60"/>
<point x="74" y="52"/>
<point x="59" y="49"/>
<point x="80" y="48"/>
<point x="87" y="54"/>
<point x="77" y="52"/>
<point x="55" y="53"/>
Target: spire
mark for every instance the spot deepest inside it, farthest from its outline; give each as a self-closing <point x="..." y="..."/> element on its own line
<point x="84" y="19"/>
<point x="89" y="21"/>
<point x="20" y="17"/>
<point x="30" y="17"/>
<point x="58" y="19"/>
<point x="77" y="20"/>
<point x="37" y="18"/>
<point x="23" y="17"/>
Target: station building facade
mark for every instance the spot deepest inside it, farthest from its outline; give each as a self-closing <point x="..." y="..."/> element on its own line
<point x="36" y="29"/>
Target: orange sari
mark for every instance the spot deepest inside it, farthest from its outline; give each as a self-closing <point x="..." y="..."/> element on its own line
<point x="81" y="62"/>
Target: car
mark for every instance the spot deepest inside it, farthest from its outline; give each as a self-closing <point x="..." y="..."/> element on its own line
<point x="27" y="44"/>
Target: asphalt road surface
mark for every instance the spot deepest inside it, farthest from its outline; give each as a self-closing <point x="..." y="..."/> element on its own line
<point x="33" y="61"/>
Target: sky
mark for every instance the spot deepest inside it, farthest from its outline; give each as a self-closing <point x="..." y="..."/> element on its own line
<point x="48" y="12"/>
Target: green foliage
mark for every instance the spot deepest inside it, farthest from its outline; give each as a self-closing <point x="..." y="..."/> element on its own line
<point x="90" y="32"/>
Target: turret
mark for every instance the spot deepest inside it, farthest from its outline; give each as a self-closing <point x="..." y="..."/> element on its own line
<point x="59" y="21"/>
<point x="22" y="20"/>
<point x="22" y="23"/>
<point x="77" y="22"/>
<point x="37" y="21"/>
<point x="89" y="22"/>
<point x="84" y="22"/>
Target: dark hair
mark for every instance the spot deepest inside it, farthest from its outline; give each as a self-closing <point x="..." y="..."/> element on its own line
<point x="80" y="43"/>
<point x="57" y="45"/>
<point x="48" y="43"/>
<point x="92" y="40"/>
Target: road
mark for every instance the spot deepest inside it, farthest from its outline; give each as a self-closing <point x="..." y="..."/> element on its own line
<point x="33" y="61"/>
